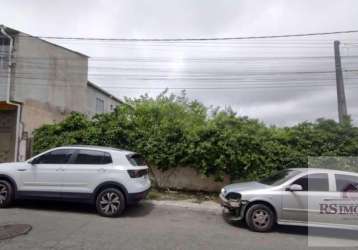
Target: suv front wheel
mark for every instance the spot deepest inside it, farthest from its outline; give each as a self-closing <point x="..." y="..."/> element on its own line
<point x="260" y="218"/>
<point x="110" y="202"/>
<point x="6" y="194"/>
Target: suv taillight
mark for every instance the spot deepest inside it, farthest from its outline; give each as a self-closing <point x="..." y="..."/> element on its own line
<point x="137" y="173"/>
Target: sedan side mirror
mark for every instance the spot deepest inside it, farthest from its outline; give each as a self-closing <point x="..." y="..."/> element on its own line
<point x="295" y="188"/>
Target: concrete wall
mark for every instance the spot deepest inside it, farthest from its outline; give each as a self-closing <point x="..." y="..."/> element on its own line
<point x="185" y="178"/>
<point x="35" y="114"/>
<point x="92" y="95"/>
<point x="49" y="74"/>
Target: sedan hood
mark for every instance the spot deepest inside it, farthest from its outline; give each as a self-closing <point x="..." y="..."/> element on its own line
<point x="244" y="186"/>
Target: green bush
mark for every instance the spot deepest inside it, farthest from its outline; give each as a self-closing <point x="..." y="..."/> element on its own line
<point x="171" y="131"/>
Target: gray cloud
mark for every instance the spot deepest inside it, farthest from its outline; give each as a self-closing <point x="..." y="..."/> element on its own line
<point x="216" y="60"/>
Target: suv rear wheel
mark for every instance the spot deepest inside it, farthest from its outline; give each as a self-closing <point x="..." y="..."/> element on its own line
<point x="260" y="218"/>
<point x="6" y="194"/>
<point x="110" y="202"/>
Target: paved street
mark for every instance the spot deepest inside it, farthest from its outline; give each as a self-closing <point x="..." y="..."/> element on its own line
<point x="73" y="226"/>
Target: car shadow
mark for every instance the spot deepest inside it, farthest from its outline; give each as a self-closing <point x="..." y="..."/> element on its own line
<point x="335" y="233"/>
<point x="137" y="210"/>
<point x="343" y="234"/>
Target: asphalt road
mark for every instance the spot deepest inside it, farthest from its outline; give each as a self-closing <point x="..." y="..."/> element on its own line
<point x="74" y="226"/>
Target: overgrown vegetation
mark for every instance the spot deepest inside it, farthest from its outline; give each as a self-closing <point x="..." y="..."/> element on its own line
<point x="172" y="131"/>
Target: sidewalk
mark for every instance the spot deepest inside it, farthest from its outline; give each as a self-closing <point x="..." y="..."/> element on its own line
<point x="205" y="206"/>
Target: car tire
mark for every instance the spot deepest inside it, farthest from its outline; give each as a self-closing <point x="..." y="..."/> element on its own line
<point x="260" y="218"/>
<point x="6" y="194"/>
<point x="110" y="202"/>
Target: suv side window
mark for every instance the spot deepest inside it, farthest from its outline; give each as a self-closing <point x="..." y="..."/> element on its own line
<point x="314" y="182"/>
<point x="92" y="157"/>
<point x="346" y="183"/>
<point x="107" y="158"/>
<point x="59" y="156"/>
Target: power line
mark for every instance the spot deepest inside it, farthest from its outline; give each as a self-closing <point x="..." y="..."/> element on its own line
<point x="239" y="83"/>
<point x="193" y="39"/>
<point x="222" y="58"/>
<point x="256" y="88"/>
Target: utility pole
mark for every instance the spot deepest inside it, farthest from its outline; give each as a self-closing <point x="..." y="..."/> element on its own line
<point x="341" y="96"/>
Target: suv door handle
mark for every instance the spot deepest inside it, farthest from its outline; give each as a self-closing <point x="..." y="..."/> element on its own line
<point x="101" y="170"/>
<point x="60" y="169"/>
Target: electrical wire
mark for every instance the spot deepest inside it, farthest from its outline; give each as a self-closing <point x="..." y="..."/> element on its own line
<point x="193" y="39"/>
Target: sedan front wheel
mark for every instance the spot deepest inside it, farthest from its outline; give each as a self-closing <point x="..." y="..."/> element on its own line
<point x="260" y="218"/>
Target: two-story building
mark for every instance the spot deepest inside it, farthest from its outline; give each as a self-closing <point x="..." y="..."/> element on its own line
<point x="41" y="83"/>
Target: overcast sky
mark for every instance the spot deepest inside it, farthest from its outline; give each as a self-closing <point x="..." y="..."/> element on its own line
<point x="262" y="78"/>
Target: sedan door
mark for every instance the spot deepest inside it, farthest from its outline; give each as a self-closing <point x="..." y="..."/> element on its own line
<point x="43" y="177"/>
<point x="304" y="206"/>
<point x="85" y="172"/>
<point x="341" y="207"/>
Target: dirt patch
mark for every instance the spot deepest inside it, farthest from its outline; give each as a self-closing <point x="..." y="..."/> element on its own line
<point x="175" y="195"/>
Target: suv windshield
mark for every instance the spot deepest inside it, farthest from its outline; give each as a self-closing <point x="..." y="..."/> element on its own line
<point x="279" y="177"/>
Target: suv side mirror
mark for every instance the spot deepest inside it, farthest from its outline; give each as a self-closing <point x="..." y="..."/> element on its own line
<point x="294" y="188"/>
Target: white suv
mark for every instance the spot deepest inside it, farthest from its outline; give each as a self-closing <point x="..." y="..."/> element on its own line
<point x="107" y="177"/>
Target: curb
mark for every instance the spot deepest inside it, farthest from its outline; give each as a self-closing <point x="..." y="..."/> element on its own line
<point x="208" y="206"/>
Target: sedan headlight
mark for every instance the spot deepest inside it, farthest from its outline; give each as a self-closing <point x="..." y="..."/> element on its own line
<point x="234" y="199"/>
<point x="233" y="196"/>
<point x="223" y="191"/>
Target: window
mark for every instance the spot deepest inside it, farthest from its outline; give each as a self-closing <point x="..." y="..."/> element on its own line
<point x="4" y="41"/>
<point x="346" y="183"/>
<point x="314" y="182"/>
<point x="60" y="156"/>
<point x="4" y="52"/>
<point x="93" y="157"/>
<point x="99" y="105"/>
<point x="106" y="158"/>
<point x="136" y="160"/>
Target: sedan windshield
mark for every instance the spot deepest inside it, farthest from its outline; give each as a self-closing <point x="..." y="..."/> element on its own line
<point x="279" y="177"/>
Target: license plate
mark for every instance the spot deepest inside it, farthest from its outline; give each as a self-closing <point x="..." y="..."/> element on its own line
<point x="234" y="203"/>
